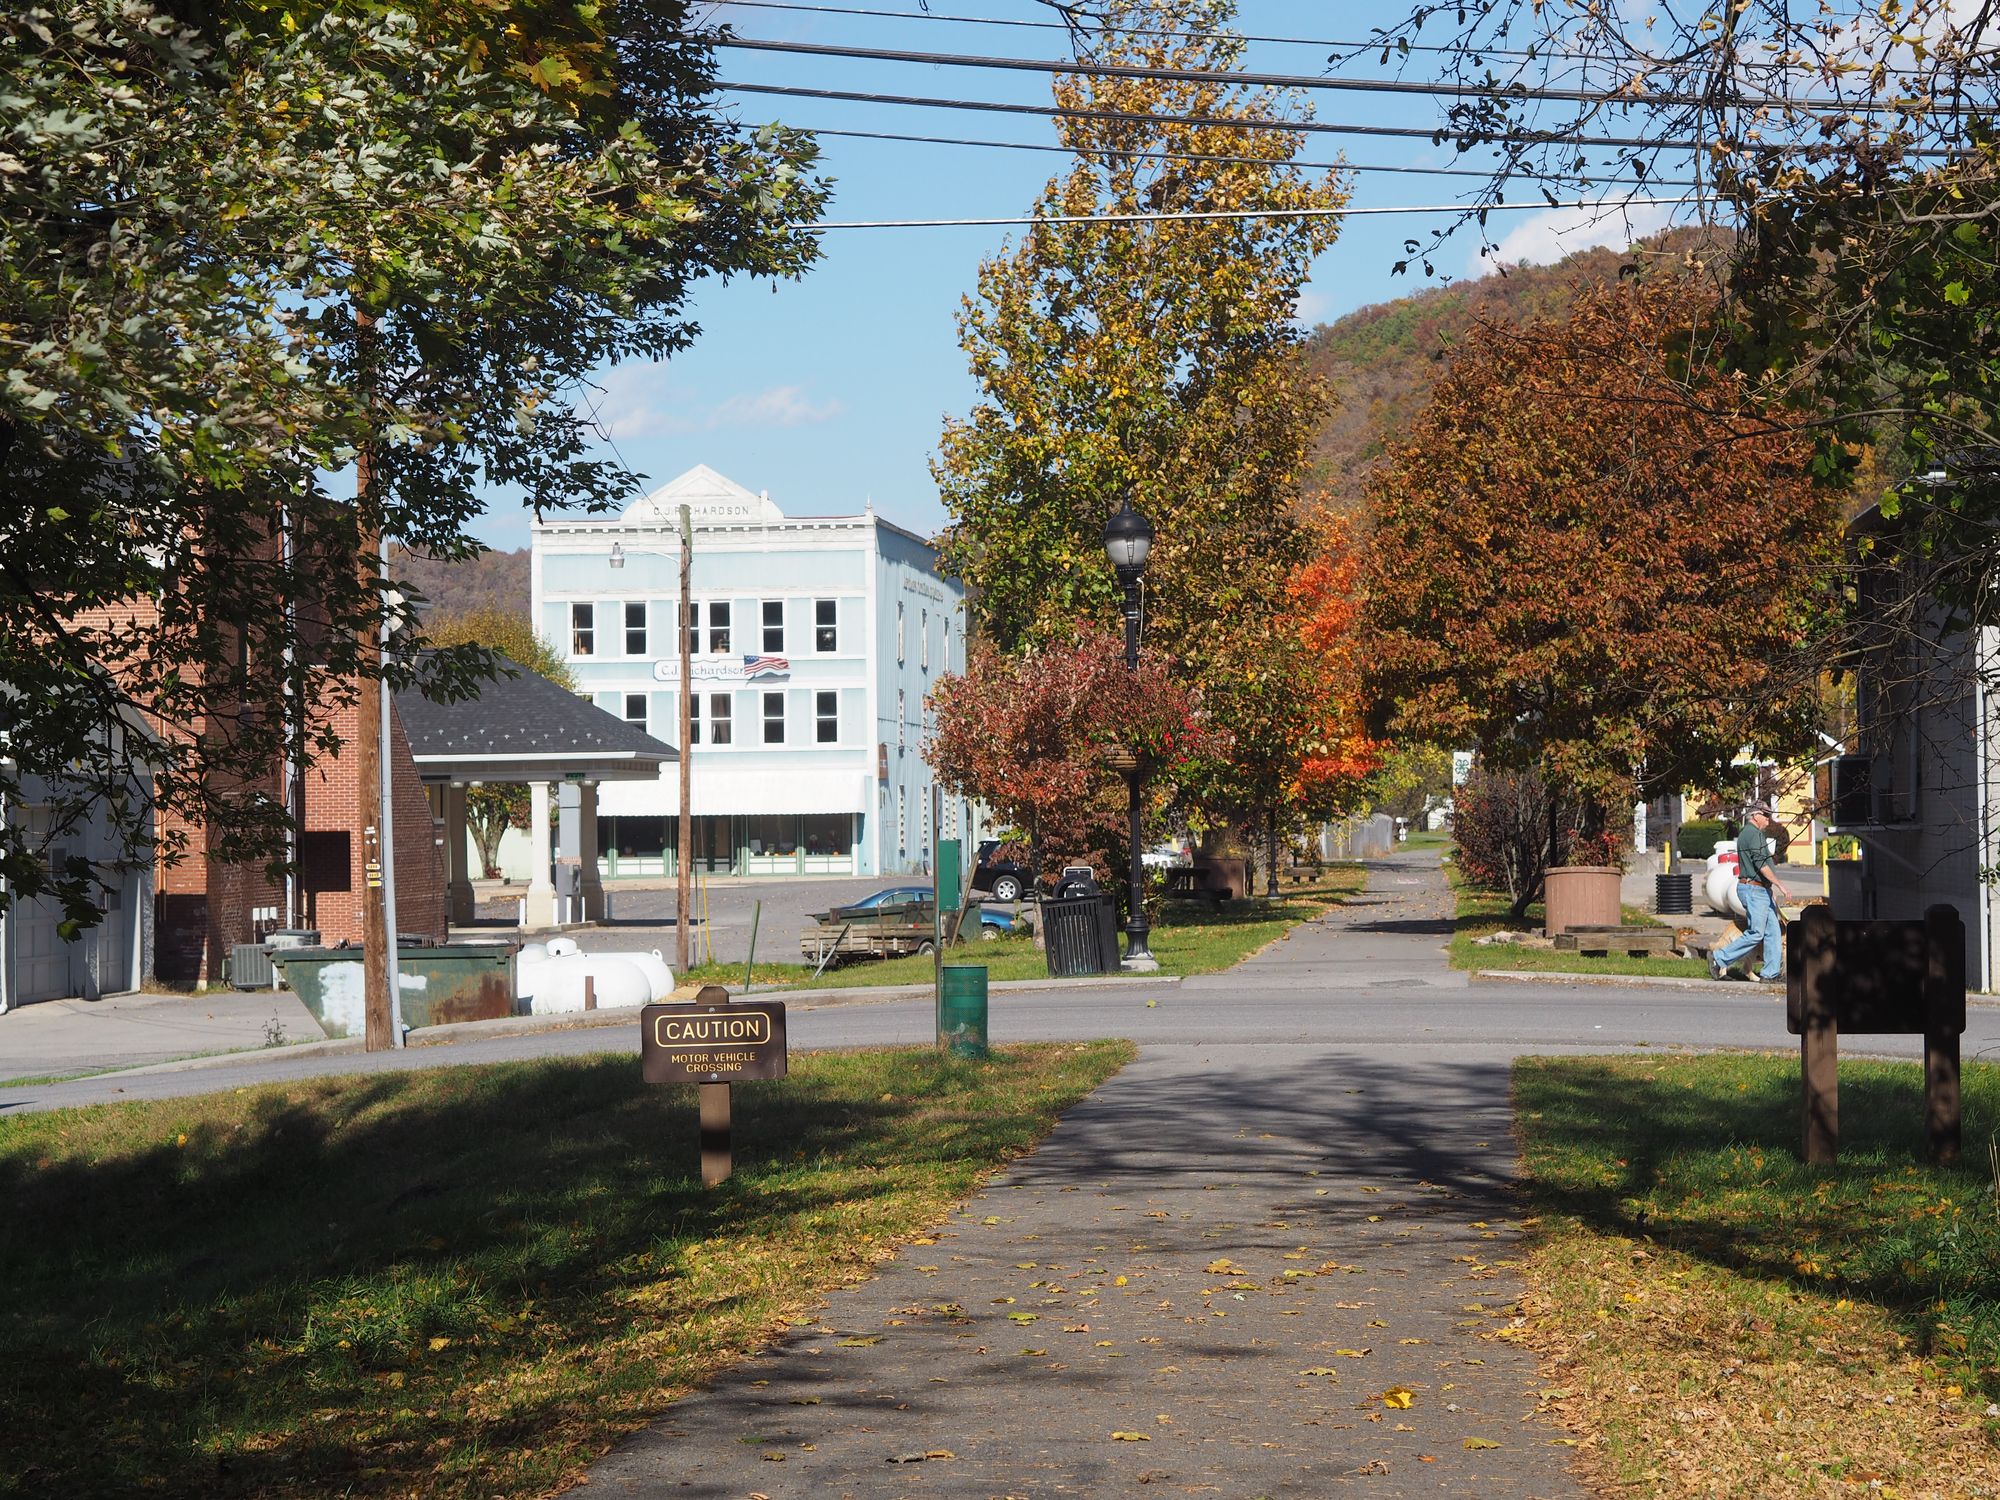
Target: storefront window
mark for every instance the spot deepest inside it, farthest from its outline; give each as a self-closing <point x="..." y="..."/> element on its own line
<point x="829" y="833"/>
<point x="772" y="835"/>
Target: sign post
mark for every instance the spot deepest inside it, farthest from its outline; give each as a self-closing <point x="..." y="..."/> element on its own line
<point x="1876" y="977"/>
<point x="712" y="1044"/>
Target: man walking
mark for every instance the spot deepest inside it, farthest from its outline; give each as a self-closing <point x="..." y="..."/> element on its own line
<point x="1755" y="879"/>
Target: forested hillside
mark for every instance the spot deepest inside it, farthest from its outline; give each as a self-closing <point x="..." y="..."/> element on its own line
<point x="1382" y="359"/>
<point x="492" y="580"/>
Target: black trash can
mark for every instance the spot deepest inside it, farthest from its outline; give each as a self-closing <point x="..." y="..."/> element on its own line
<point x="1673" y="895"/>
<point x="1081" y="935"/>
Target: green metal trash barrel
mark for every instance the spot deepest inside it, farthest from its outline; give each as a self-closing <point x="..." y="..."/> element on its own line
<point x="962" y="1010"/>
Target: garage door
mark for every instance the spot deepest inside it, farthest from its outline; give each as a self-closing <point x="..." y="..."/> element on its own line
<point x="41" y="958"/>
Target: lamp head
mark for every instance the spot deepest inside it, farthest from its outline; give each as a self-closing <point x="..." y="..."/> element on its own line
<point x="617" y="554"/>
<point x="1128" y="540"/>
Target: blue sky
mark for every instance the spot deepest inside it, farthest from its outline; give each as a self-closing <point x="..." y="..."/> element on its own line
<point x="832" y="391"/>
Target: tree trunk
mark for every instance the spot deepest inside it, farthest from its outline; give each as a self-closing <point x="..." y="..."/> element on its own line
<point x="487" y="833"/>
<point x="1270" y="851"/>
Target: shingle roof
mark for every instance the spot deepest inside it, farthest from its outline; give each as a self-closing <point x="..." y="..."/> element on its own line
<point x="525" y="718"/>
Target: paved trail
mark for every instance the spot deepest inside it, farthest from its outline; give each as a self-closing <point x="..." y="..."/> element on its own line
<point x="1244" y="1256"/>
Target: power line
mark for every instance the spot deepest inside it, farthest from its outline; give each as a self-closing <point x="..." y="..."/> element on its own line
<point x="1194" y="156"/>
<point x="1298" y="41"/>
<point x="1199" y="215"/>
<point x="1304" y="127"/>
<point x="1638" y="99"/>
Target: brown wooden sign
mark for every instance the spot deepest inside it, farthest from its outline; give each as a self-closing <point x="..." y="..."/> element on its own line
<point x="712" y="1043"/>
<point x="1875" y="977"/>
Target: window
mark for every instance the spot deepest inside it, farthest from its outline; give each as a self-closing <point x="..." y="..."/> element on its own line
<point x="899" y="630"/>
<point x="774" y="626"/>
<point x="772" y="836"/>
<point x="826" y="629"/>
<point x="693" y="623"/>
<point x="826" y="710"/>
<point x="828" y="833"/>
<point x="718" y="628"/>
<point x="902" y="708"/>
<point x="774" y="718"/>
<point x="635" y="709"/>
<point x="925" y="646"/>
<point x="583" y="630"/>
<point x="718" y="718"/>
<point x="635" y="628"/>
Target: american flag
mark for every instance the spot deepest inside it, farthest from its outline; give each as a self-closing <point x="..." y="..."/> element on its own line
<point x="765" y="666"/>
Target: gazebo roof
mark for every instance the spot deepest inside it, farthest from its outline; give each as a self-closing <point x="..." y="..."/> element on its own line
<point x="526" y="728"/>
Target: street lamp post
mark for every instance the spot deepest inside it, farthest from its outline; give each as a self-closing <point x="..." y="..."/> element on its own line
<point x="1128" y="542"/>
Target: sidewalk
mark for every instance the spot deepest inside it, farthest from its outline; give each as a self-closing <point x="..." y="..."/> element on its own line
<point x="60" y="1038"/>
<point x="1237" y="1270"/>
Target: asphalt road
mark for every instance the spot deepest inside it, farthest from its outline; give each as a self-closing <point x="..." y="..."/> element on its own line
<point x="1369" y="983"/>
<point x="644" y="918"/>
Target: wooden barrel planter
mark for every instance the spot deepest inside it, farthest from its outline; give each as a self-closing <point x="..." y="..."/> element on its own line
<point x="1581" y="896"/>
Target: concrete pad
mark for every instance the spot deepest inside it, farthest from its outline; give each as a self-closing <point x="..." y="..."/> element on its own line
<point x="56" y="1038"/>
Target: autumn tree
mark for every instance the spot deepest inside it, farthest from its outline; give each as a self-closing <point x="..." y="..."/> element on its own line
<point x="491" y="808"/>
<point x="1032" y="734"/>
<point x="1578" y="572"/>
<point x="276" y="278"/>
<point x="1298" y="752"/>
<point x="1153" y="354"/>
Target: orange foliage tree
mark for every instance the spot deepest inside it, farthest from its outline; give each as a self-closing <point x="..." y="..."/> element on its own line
<point x="1597" y="558"/>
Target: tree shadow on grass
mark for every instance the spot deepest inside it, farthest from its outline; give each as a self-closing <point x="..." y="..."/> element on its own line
<point x="201" y="1299"/>
<point x="1715" y="1172"/>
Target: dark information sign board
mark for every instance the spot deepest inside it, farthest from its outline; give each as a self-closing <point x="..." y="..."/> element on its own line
<point x="712" y="1043"/>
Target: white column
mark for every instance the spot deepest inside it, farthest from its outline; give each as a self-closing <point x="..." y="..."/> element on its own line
<point x="458" y="881"/>
<point x="586" y="848"/>
<point x="540" y="910"/>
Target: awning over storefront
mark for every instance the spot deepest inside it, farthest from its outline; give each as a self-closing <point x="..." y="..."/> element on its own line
<point x="723" y="793"/>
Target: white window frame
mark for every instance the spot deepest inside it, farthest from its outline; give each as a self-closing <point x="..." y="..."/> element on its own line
<point x="641" y="629"/>
<point x="768" y="627"/>
<point x="644" y="721"/>
<point x="823" y="719"/>
<point x="583" y="627"/>
<point x="725" y="722"/>
<point x="826" y="645"/>
<point x="719" y="610"/>
<point x="770" y="720"/>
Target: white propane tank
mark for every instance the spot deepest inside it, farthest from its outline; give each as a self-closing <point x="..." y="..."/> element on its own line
<point x="1719" y="886"/>
<point x="654" y="966"/>
<point x="555" y="985"/>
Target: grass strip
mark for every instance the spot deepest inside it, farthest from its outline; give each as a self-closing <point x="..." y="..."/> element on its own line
<point x="1193" y="940"/>
<point x="1482" y="911"/>
<point x="1718" y="1318"/>
<point x="460" y="1282"/>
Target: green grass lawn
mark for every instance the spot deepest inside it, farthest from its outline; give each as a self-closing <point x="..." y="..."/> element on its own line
<point x="460" y="1282"/>
<point x="1720" y="1319"/>
<point x="1482" y="911"/>
<point x="1188" y="940"/>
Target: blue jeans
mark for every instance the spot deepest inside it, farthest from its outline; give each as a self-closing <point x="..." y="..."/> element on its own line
<point x="1760" y="920"/>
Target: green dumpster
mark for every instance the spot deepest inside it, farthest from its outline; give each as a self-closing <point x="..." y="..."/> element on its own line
<point x="962" y="1010"/>
<point x="438" y="984"/>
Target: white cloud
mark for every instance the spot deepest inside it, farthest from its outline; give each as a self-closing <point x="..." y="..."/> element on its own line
<point x="1546" y="237"/>
<point x="780" y="406"/>
<point x="641" y="401"/>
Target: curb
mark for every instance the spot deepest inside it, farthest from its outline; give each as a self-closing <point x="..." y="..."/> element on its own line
<point x="1618" y="981"/>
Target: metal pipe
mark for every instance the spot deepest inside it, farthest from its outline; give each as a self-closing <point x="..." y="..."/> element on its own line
<point x="1137" y="954"/>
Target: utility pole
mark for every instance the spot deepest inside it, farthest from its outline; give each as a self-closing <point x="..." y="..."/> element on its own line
<point x="379" y="1029"/>
<point x="686" y="862"/>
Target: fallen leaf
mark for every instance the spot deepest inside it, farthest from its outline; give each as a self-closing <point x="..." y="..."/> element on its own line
<point x="1397" y="1397"/>
<point x="1130" y="1437"/>
<point x="1222" y="1267"/>
<point x="1353" y="1353"/>
<point x="860" y="1342"/>
<point x="1321" y="1370"/>
<point x="772" y="1456"/>
<point x="805" y="1401"/>
<point x="1476" y="1442"/>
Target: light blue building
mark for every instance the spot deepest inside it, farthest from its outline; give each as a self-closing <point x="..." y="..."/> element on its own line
<point x="814" y="643"/>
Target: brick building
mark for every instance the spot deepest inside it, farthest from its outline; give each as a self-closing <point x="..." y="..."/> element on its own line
<point x="206" y="906"/>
